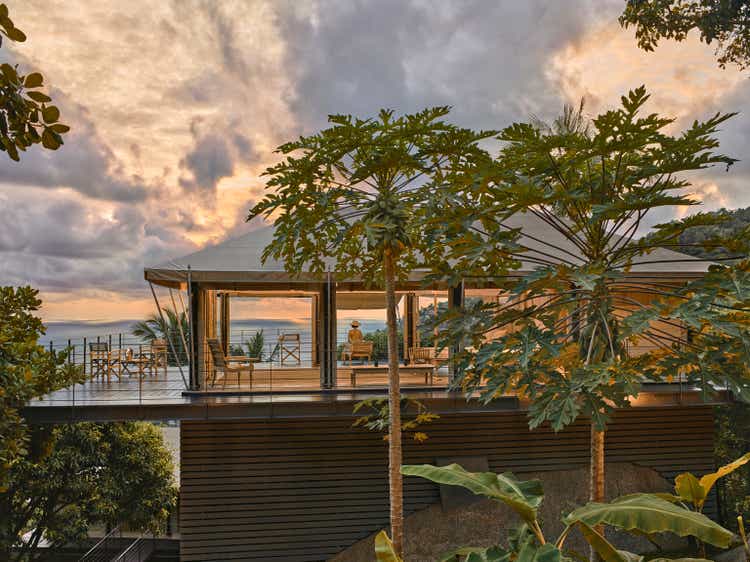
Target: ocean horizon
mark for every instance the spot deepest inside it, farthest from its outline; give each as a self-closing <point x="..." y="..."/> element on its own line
<point x="59" y="332"/>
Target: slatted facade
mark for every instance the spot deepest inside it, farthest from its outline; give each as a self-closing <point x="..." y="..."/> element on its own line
<point x="305" y="489"/>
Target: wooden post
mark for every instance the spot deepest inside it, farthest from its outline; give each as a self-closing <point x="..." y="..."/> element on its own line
<point x="456" y="297"/>
<point x="327" y="343"/>
<point x="224" y="322"/>
<point x="314" y="325"/>
<point x="410" y="324"/>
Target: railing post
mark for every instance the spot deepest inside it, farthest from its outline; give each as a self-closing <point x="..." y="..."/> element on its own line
<point x="84" y="355"/>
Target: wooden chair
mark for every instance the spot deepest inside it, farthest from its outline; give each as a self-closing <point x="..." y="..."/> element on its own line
<point x="159" y="355"/>
<point x="229" y="364"/>
<point x="290" y="348"/>
<point x="421" y="355"/>
<point x="103" y="361"/>
<point x="361" y="349"/>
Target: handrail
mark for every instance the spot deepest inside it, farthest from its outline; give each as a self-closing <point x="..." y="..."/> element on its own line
<point x="131" y="555"/>
<point x="92" y="552"/>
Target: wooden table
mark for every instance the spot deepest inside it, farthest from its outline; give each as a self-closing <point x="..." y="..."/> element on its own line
<point x="427" y="370"/>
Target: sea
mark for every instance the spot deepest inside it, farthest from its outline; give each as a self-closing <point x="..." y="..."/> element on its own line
<point x="59" y="333"/>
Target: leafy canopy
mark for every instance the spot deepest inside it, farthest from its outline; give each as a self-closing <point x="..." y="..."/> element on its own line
<point x="577" y="333"/>
<point x="87" y="474"/>
<point x="725" y="22"/>
<point x="342" y="197"/>
<point x="26" y="114"/>
<point x="27" y="371"/>
<point x="173" y="326"/>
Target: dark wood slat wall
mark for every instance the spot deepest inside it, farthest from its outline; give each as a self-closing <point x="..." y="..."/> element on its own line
<point x="303" y="490"/>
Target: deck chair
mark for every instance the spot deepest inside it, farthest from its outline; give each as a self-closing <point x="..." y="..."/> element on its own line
<point x="426" y="355"/>
<point x="290" y="348"/>
<point x="229" y="364"/>
<point x="362" y="349"/>
<point x="159" y="355"/>
<point x="102" y="361"/>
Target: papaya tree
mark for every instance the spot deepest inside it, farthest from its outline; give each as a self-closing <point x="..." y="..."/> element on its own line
<point x="351" y="199"/>
<point x="587" y="322"/>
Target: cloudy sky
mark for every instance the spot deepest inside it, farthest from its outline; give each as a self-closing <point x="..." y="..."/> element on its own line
<point x="176" y="107"/>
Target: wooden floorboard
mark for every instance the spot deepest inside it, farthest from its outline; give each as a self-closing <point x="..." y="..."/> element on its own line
<point x="169" y="388"/>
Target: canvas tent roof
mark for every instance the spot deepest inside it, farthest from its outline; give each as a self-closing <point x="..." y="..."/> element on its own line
<point x="238" y="260"/>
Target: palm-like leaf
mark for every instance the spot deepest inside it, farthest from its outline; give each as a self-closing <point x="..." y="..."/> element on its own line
<point x="384" y="551"/>
<point x="524" y="497"/>
<point x="650" y="514"/>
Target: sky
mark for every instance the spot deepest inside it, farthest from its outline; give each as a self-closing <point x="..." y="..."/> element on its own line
<point x="175" y="109"/>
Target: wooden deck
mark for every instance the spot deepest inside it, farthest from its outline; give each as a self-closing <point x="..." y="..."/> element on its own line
<point x="169" y="388"/>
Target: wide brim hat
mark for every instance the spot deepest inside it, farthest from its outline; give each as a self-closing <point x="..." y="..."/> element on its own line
<point x="355" y="323"/>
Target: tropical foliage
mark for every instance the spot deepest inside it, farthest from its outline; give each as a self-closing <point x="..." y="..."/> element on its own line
<point x="27" y="371"/>
<point x="171" y="328"/>
<point x="637" y="513"/>
<point x="374" y="416"/>
<point x="351" y="199"/>
<point x="82" y="475"/>
<point x="26" y="114"/>
<point x="255" y="345"/>
<point x="564" y="335"/>
<point x="725" y="23"/>
<point x="730" y="438"/>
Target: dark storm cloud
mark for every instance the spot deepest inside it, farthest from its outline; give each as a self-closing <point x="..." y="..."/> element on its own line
<point x="56" y="240"/>
<point x="487" y="59"/>
<point x="84" y="163"/>
<point x="208" y="162"/>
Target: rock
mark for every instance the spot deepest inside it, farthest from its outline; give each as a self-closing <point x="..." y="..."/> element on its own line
<point x="734" y="555"/>
<point x="433" y="531"/>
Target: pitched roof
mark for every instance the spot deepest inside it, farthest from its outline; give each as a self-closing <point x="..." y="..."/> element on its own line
<point x="238" y="260"/>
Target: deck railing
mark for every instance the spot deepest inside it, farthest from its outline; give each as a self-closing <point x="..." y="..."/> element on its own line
<point x="276" y="373"/>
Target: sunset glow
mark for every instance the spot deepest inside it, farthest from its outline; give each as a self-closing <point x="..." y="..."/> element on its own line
<point x="176" y="109"/>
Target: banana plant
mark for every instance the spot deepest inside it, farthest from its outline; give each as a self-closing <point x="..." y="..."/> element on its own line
<point x="693" y="490"/>
<point x="641" y="513"/>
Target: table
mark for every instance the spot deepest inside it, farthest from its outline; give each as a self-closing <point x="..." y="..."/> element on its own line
<point x="427" y="370"/>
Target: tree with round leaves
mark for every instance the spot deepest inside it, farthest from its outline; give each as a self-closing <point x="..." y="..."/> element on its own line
<point x="27" y="116"/>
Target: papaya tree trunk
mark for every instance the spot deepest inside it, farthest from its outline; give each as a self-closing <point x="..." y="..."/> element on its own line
<point x="596" y="484"/>
<point x="395" y="480"/>
<point x="596" y="477"/>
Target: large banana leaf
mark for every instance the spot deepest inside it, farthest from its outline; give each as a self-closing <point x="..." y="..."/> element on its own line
<point x="478" y="554"/>
<point x="384" y="549"/>
<point x="531" y="553"/>
<point x="602" y="546"/>
<point x="650" y="514"/>
<point x="523" y="496"/>
<point x="679" y="560"/>
<point x="708" y="480"/>
<point x="691" y="489"/>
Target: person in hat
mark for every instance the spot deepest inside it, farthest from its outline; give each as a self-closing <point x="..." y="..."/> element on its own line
<point x="355" y="334"/>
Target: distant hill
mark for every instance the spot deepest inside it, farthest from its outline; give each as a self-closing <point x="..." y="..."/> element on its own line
<point x="737" y="219"/>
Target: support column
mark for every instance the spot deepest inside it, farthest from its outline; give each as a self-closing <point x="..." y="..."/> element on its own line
<point x="410" y="324"/>
<point x="327" y="332"/>
<point x="196" y="341"/>
<point x="314" y="325"/>
<point x="224" y="322"/>
<point x="456" y="297"/>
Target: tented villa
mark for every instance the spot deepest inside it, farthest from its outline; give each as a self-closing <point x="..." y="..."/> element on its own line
<point x="314" y="356"/>
<point x="271" y="467"/>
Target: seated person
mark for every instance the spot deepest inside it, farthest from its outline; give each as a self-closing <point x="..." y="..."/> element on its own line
<point x="354" y="337"/>
<point x="355" y="334"/>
